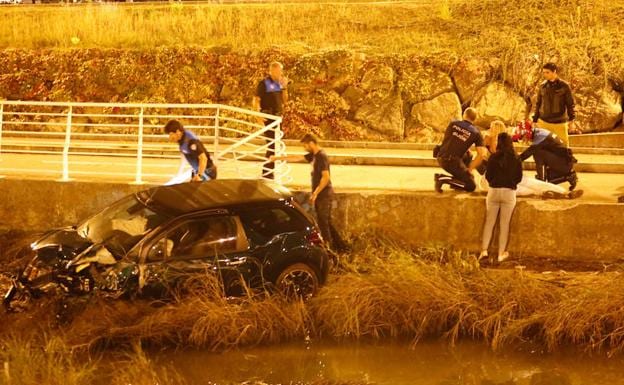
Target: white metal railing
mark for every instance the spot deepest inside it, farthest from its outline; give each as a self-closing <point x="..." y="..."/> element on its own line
<point x="239" y="138"/>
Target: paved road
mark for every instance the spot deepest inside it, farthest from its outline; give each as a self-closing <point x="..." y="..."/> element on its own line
<point x="598" y="187"/>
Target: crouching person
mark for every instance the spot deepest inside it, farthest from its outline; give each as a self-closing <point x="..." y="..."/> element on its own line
<point x="193" y="150"/>
<point x="454" y="156"/>
<point x="553" y="160"/>
<point x="322" y="190"/>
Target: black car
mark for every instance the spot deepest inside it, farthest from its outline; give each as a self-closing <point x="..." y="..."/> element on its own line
<point x="250" y="234"/>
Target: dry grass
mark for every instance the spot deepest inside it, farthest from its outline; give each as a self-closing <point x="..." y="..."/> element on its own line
<point x="400" y="294"/>
<point x="30" y="361"/>
<point x="584" y="33"/>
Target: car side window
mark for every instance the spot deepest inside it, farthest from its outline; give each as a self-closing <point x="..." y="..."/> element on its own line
<point x="201" y="238"/>
<point x="263" y="224"/>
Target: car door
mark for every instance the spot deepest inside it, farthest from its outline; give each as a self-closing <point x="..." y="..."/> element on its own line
<point x="213" y="244"/>
<point x="276" y="235"/>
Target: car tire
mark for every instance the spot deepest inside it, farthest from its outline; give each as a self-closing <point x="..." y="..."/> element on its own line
<point x="298" y="281"/>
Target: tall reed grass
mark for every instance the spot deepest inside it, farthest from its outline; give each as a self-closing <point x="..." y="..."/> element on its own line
<point x="399" y="295"/>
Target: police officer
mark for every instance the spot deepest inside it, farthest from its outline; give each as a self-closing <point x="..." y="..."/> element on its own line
<point x="193" y="150"/>
<point x="271" y="94"/>
<point x="453" y="154"/>
<point x="554" y="109"/>
<point x="553" y="160"/>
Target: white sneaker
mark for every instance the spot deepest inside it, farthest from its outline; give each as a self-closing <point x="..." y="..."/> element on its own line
<point x="483" y="255"/>
<point x="502" y="257"/>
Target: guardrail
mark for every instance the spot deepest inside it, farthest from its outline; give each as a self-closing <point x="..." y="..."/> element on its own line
<point x="239" y="138"/>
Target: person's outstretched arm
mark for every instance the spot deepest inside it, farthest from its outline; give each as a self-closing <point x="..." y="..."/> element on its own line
<point x="288" y="158"/>
<point x="201" y="168"/>
<point x="476" y="162"/>
<point x="528" y="152"/>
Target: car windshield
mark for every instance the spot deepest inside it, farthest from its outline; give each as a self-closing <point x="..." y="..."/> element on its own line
<point x="121" y="225"/>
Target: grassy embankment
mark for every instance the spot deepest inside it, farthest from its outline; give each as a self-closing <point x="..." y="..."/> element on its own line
<point x="583" y="34"/>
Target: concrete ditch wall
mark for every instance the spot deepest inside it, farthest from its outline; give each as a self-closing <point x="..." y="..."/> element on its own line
<point x="556" y="229"/>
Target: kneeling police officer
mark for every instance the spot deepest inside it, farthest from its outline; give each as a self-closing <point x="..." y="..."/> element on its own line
<point x="553" y="160"/>
<point x="454" y="155"/>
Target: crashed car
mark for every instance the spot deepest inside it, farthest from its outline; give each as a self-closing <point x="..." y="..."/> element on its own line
<point x="250" y="234"/>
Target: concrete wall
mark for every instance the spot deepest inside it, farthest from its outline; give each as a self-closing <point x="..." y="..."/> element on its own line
<point x="557" y="229"/>
<point x="602" y="140"/>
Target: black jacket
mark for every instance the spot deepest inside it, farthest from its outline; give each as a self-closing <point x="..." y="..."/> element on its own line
<point x="504" y="171"/>
<point x="555" y="103"/>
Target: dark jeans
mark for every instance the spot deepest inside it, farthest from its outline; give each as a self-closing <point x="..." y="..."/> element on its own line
<point x="551" y="167"/>
<point x="269" y="167"/>
<point x="462" y="178"/>
<point x="323" y="208"/>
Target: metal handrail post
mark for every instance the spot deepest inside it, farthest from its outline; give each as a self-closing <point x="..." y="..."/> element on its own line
<point x="139" y="165"/>
<point x="68" y="128"/>
<point x="280" y="150"/>
<point x="216" y="133"/>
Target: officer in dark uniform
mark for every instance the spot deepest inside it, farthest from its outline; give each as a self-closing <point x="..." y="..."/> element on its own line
<point x="193" y="150"/>
<point x="454" y="156"/>
<point x="553" y="160"/>
<point x="271" y="94"/>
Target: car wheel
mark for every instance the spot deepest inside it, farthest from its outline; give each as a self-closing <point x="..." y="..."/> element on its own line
<point x="298" y="281"/>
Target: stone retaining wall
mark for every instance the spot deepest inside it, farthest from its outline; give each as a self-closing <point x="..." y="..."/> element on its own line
<point x="557" y="229"/>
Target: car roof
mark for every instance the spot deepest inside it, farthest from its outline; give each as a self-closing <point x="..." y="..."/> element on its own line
<point x="191" y="197"/>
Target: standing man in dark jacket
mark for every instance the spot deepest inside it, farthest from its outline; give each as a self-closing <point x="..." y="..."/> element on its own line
<point x="193" y="150"/>
<point x="271" y="95"/>
<point x="554" y="108"/>
<point x="322" y="190"/>
<point x="553" y="160"/>
<point x="454" y="157"/>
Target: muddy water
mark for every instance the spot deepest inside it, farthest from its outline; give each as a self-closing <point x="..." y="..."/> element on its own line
<point x="429" y="363"/>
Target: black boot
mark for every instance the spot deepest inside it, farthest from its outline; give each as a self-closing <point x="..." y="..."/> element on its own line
<point x="575" y="194"/>
<point x="438" y="183"/>
<point x="573" y="179"/>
